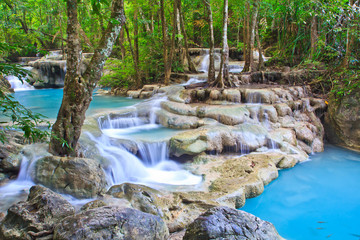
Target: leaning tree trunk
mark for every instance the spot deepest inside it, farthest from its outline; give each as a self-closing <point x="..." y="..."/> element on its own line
<point x="223" y="78"/>
<point x="211" y="70"/>
<point x="78" y="88"/>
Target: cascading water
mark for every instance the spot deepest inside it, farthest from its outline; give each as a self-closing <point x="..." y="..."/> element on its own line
<point x="151" y="165"/>
<point x="19" y="85"/>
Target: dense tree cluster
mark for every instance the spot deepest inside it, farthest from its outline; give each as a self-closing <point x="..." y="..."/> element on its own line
<point x="155" y="38"/>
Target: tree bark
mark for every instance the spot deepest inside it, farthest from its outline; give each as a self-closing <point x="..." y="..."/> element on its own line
<point x="314" y="36"/>
<point x="223" y="78"/>
<point x="135" y="60"/>
<point x="261" y="59"/>
<point x="78" y="88"/>
<point x="211" y="70"/>
<point x="186" y="45"/>
<point x="252" y="35"/>
<point x="166" y="43"/>
<point x="247" y="39"/>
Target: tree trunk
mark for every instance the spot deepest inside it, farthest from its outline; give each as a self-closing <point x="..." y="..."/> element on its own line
<point x="166" y="44"/>
<point x="247" y="39"/>
<point x="223" y="78"/>
<point x="314" y="36"/>
<point x="252" y="35"/>
<point x="136" y="63"/>
<point x="190" y="63"/>
<point x="211" y="70"/>
<point x="136" y="47"/>
<point x="78" y="88"/>
<point x="121" y="43"/>
<point x="261" y="59"/>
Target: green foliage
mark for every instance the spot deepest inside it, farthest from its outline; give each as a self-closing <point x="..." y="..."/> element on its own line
<point x="118" y="73"/>
<point x="15" y="115"/>
<point x="345" y="83"/>
<point x="21" y="118"/>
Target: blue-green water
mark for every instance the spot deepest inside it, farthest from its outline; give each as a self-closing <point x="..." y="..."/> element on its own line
<point x="318" y="199"/>
<point x="47" y="101"/>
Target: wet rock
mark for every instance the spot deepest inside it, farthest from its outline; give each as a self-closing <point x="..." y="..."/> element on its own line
<point x="260" y="96"/>
<point x="141" y="197"/>
<point x="232" y="95"/>
<point x="283" y="109"/>
<point x="93" y="204"/>
<point x="79" y="177"/>
<point x="35" y="217"/>
<point x="11" y="163"/>
<point x="175" y="121"/>
<point x="48" y="73"/>
<point x="228" y="115"/>
<point x="304" y="133"/>
<point x="111" y="223"/>
<point x="227" y="223"/>
<point x="179" y="108"/>
<point x="342" y="121"/>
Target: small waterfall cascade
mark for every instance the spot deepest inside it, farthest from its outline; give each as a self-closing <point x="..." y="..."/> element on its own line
<point x="203" y="60"/>
<point x="19" y="85"/>
<point x="194" y="80"/>
<point x="204" y="64"/>
<point x="150" y="164"/>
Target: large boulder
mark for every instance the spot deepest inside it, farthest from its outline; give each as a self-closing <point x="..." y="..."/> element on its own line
<point x="111" y="223"/>
<point x="342" y="121"/>
<point x="79" y="177"/>
<point x="227" y="223"/>
<point x="35" y="217"/>
<point x="141" y="197"/>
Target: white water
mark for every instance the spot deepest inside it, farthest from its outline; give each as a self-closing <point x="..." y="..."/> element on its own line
<point x="19" y="85"/>
<point x="151" y="165"/>
<point x="193" y="80"/>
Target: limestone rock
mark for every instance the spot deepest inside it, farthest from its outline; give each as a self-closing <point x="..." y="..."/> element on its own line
<point x="227" y="223"/>
<point x="38" y="215"/>
<point x="141" y="197"/>
<point x="304" y="133"/>
<point x="283" y="109"/>
<point x="175" y="121"/>
<point x="342" y="121"/>
<point x="111" y="223"/>
<point x="80" y="177"/>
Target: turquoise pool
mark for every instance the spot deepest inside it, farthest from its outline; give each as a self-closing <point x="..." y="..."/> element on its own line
<point x="318" y="199"/>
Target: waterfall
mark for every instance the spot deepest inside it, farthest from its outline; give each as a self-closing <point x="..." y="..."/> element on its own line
<point x="154" y="167"/>
<point x="204" y="64"/>
<point x="19" y="85"/>
<point x="151" y="165"/>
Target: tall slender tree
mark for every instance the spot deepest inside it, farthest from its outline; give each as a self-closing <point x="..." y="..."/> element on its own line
<point x="223" y="78"/>
<point x="211" y="70"/>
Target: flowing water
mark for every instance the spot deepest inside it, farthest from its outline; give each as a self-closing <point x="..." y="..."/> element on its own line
<point x="318" y="199"/>
<point x="19" y="85"/>
<point x="150" y="165"/>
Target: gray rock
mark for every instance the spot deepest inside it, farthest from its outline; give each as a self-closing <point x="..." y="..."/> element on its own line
<point x="227" y="223"/>
<point x="111" y="223"/>
<point x="141" y="197"/>
<point x="342" y="121"/>
<point x="79" y="177"/>
<point x="35" y="217"/>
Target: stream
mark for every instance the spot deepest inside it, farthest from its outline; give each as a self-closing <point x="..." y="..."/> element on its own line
<point x="317" y="199"/>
